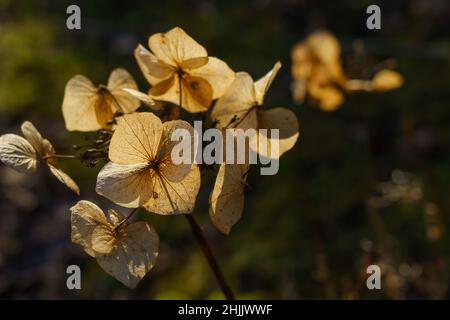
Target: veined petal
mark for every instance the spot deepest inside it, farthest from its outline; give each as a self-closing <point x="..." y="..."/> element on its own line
<point x="175" y="197"/>
<point x="41" y="145"/>
<point x="236" y="103"/>
<point x="144" y="98"/>
<point x="80" y="99"/>
<point x="282" y="119"/>
<point x="18" y="153"/>
<point x="217" y="73"/>
<point x="64" y="178"/>
<point x="85" y="217"/>
<point x="128" y="185"/>
<point x="123" y="101"/>
<point x="136" y="138"/>
<point x="263" y="84"/>
<point x="227" y="198"/>
<point x="133" y="256"/>
<point x="153" y="69"/>
<point x="172" y="94"/>
<point x="175" y="46"/>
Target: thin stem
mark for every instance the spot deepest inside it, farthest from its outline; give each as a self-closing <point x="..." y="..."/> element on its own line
<point x="203" y="243"/>
<point x="66" y="156"/>
<point x="125" y="220"/>
<point x="179" y="86"/>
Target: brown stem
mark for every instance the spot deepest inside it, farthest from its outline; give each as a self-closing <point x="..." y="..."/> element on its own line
<point x="66" y="156"/>
<point x="201" y="240"/>
<point x="203" y="243"/>
<point x="126" y="219"/>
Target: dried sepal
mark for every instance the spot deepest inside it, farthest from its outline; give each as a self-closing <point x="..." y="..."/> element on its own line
<point x="127" y="252"/>
<point x="226" y="201"/>
<point x="89" y="108"/>
<point x="26" y="154"/>
<point x="240" y="108"/>
<point x="178" y="68"/>
<point x="141" y="172"/>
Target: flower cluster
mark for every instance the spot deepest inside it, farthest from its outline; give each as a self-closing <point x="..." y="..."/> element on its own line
<point x="140" y="172"/>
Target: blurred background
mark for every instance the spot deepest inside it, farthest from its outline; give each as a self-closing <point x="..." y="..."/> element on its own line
<point x="366" y="184"/>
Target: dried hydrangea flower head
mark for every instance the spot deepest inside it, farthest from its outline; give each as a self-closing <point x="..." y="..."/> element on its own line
<point x="178" y="66"/>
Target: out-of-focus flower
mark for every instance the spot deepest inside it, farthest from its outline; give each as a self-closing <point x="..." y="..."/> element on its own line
<point x="317" y="72"/>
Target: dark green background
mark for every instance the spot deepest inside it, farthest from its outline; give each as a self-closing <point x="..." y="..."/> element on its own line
<point x="309" y="231"/>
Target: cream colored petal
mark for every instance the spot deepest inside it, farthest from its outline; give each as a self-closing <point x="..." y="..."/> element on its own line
<point x="194" y="63"/>
<point x="64" y="179"/>
<point x="85" y="217"/>
<point x="136" y="138"/>
<point x="227" y="198"/>
<point x="234" y="106"/>
<point x="144" y="98"/>
<point x="41" y="145"/>
<point x="119" y="80"/>
<point x="33" y="136"/>
<point x="174" y="173"/>
<point x="175" y="46"/>
<point x="18" y="153"/>
<point x="387" y="80"/>
<point x="153" y="69"/>
<point x="171" y="93"/>
<point x="217" y="73"/>
<point x="114" y="217"/>
<point x="286" y="122"/>
<point x="263" y="84"/>
<point x="128" y="185"/>
<point x="80" y="99"/>
<point x="134" y="256"/>
<point x="103" y="239"/>
<point x="162" y="87"/>
<point x="166" y="144"/>
<point x="198" y="89"/>
<point x="175" y="197"/>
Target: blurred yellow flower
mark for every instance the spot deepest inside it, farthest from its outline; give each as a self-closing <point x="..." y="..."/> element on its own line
<point x="317" y="72"/>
